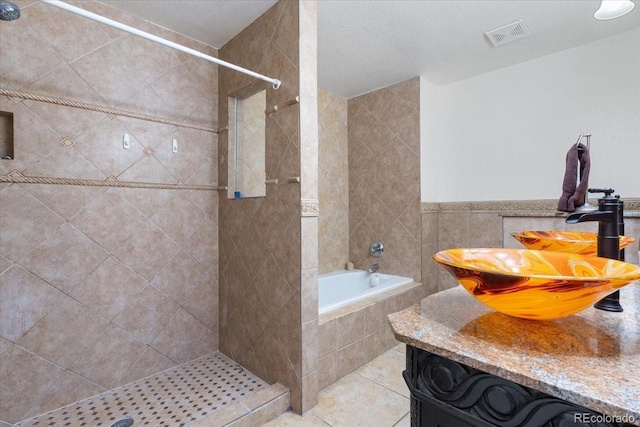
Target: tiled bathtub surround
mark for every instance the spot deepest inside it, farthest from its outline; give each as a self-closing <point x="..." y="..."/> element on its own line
<point x="351" y="336"/>
<point x="384" y="178"/>
<point x="490" y="224"/>
<point x="268" y="271"/>
<point x="103" y="286"/>
<point x="333" y="183"/>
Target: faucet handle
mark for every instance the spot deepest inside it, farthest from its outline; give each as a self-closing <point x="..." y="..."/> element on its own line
<point x="376" y="249"/>
<point x="607" y="191"/>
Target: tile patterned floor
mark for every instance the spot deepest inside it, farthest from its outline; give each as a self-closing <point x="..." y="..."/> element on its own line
<point x="372" y="396"/>
<point x="173" y="398"/>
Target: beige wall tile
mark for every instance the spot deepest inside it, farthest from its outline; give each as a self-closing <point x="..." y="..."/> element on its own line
<point x="102" y="220"/>
<point x="180" y="337"/>
<point x="70" y="44"/>
<point x="18" y="69"/>
<point x="26" y="299"/>
<point x="309" y="294"/>
<point x="54" y="340"/>
<point x="350" y="358"/>
<point x="27" y="375"/>
<point x="309" y="391"/>
<point x="65" y="258"/>
<point x="149" y="363"/>
<point x="147" y="169"/>
<point x="203" y="302"/>
<point x="180" y="277"/>
<point x="327" y="338"/>
<point x="309" y="243"/>
<point x="485" y="230"/>
<point x="24" y="221"/>
<point x="333" y="182"/>
<point x="384" y="179"/>
<point x="118" y="80"/>
<point x="147" y="251"/>
<point x="266" y="233"/>
<point x="310" y="347"/>
<point x="350" y="328"/>
<point x="65" y="83"/>
<point x="67" y="201"/>
<point x="453" y="229"/>
<point x="109" y="288"/>
<point x="67" y="389"/>
<point x="375" y="318"/>
<point x="107" y="360"/>
<point x="375" y="344"/>
<point x="34" y="140"/>
<point x="4" y="264"/>
<point x="327" y="370"/>
<point x="147" y="314"/>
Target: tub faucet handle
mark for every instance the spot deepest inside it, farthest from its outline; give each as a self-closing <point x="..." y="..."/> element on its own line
<point x="376" y="249"/>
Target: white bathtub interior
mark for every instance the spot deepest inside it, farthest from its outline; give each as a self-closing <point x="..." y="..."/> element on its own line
<point x="342" y="287"/>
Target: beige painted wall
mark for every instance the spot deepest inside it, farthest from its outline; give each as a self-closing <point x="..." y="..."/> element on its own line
<point x="102" y="286"/>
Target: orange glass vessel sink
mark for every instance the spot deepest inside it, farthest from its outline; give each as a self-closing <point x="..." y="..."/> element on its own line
<point x="532" y="284"/>
<point x="576" y="242"/>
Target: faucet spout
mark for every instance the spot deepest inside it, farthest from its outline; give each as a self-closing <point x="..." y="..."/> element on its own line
<point x="608" y="237"/>
<point x="609" y="218"/>
<point x="589" y="216"/>
<point x="373" y="268"/>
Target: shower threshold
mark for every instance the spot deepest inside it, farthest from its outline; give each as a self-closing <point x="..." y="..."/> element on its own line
<point x="207" y="392"/>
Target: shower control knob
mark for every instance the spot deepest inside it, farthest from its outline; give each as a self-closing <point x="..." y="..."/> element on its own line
<point x="376" y="249"/>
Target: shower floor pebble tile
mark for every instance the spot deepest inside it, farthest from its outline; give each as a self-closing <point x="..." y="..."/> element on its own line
<point x="372" y="396"/>
<point x="172" y="398"/>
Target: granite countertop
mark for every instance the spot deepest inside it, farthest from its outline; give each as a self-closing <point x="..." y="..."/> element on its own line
<point x="591" y="358"/>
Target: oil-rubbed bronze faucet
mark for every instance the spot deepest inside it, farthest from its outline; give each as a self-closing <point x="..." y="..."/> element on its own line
<point x="609" y="217"/>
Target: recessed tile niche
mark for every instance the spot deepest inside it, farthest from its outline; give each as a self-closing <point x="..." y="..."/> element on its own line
<point x="6" y="135"/>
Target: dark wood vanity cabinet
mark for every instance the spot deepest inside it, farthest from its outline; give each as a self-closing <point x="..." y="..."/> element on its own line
<point x="445" y="393"/>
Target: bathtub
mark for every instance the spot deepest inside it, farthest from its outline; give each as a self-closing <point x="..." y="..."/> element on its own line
<point x="353" y="328"/>
<point x="342" y="287"/>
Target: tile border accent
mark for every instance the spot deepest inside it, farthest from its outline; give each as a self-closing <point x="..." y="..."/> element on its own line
<point x="67" y="142"/>
<point x="14" y="95"/>
<point x="547" y="206"/>
<point x="309" y="207"/>
<point x="16" y="177"/>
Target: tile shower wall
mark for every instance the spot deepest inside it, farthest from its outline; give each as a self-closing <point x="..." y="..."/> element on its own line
<point x="263" y="261"/>
<point x="102" y="286"/>
<point x="333" y="185"/>
<point x="384" y="178"/>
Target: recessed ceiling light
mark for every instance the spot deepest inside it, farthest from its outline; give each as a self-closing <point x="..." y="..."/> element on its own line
<point x="610" y="9"/>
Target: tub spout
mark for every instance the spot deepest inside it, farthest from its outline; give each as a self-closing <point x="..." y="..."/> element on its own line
<point x="373" y="268"/>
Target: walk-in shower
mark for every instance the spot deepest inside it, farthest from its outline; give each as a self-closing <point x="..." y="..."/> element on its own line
<point x="116" y="323"/>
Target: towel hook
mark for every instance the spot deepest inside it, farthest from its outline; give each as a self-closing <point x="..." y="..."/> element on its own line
<point x="584" y="135"/>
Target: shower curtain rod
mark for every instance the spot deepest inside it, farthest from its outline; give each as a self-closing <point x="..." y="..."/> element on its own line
<point x="78" y="11"/>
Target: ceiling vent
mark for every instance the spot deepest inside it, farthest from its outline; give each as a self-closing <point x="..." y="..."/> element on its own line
<point x="508" y="33"/>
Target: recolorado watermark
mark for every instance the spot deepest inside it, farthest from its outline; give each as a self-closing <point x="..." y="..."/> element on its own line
<point x="588" y="417"/>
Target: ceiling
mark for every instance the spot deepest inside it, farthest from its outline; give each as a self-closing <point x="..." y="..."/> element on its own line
<point x="367" y="44"/>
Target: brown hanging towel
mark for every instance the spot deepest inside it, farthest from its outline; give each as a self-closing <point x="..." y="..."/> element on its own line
<point x="578" y="167"/>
